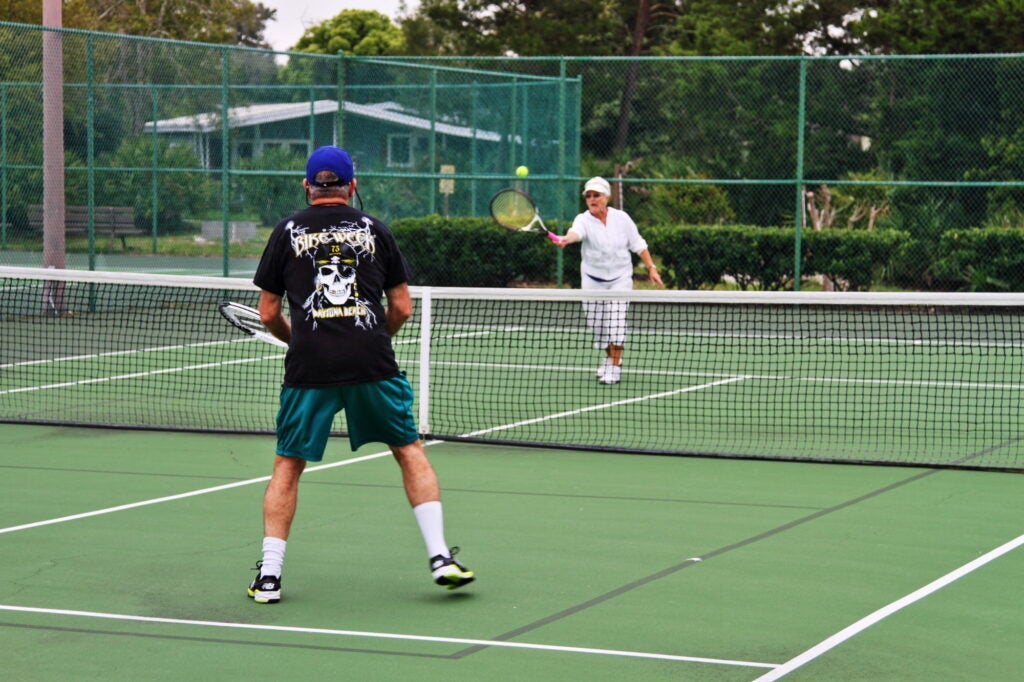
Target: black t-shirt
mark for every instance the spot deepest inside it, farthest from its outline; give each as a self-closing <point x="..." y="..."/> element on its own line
<point x="333" y="264"/>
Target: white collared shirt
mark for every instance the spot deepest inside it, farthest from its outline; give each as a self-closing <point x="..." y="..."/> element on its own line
<point x="605" y="247"/>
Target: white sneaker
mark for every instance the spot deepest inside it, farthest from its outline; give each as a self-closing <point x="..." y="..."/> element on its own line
<point x="611" y="375"/>
<point x="603" y="368"/>
<point x="449" y="572"/>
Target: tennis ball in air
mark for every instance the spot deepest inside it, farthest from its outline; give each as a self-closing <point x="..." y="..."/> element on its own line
<point x="522" y="171"/>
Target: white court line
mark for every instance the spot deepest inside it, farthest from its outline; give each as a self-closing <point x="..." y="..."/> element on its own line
<point x="181" y="496"/>
<point x="117" y="353"/>
<point x="239" y="484"/>
<point x="603" y="406"/>
<point x="139" y="375"/>
<point x="866" y="622"/>
<point x="767" y="377"/>
<point x="913" y="382"/>
<point x="387" y="635"/>
<point x="765" y="336"/>
<point x="491" y="365"/>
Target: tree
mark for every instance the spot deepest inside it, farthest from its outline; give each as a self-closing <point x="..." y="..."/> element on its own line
<point x="351" y="32"/>
<point x="523" y="27"/>
<point x="233" y="22"/>
<point x="366" y="33"/>
<point x="76" y="13"/>
<point x="939" y="27"/>
<point x="723" y="28"/>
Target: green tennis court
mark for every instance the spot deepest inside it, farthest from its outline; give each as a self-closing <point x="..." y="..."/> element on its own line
<point x="127" y="548"/>
<point x="127" y="554"/>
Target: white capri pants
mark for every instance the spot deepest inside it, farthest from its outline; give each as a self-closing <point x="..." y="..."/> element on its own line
<point x="607" y="319"/>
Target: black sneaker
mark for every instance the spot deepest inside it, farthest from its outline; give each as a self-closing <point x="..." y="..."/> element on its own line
<point x="448" y="572"/>
<point x="265" y="589"/>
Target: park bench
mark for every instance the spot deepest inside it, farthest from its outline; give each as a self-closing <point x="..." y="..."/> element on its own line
<point x="113" y="221"/>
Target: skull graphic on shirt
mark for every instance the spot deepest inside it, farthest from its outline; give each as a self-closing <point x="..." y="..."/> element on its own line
<point x="336" y="277"/>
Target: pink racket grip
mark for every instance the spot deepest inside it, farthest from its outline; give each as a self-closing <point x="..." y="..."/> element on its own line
<point x="553" y="237"/>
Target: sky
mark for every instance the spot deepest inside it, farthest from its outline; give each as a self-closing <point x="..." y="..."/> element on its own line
<point x="295" y="16"/>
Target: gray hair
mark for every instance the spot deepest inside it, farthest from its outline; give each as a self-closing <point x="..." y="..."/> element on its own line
<point x="332" y="192"/>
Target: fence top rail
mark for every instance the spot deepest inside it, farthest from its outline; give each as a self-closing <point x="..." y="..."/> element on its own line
<point x="164" y="41"/>
<point x="399" y="61"/>
<point x="713" y="58"/>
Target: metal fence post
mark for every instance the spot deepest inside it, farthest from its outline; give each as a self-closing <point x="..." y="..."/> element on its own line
<point x="433" y="138"/>
<point x="799" y="180"/>
<point x="90" y="147"/>
<point x="225" y="160"/>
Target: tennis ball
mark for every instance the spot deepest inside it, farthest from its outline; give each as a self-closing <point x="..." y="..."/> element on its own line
<point x="522" y="171"/>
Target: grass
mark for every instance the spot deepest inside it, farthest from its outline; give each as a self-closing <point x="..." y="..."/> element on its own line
<point x="187" y="244"/>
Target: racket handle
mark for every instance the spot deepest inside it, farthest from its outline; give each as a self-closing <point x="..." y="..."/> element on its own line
<point x="553" y="237"/>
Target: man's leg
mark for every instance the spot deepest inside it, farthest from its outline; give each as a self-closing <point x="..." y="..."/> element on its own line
<point x="418" y="474"/>
<point x="282" y="495"/>
<point x="279" y="503"/>
<point x="424" y="495"/>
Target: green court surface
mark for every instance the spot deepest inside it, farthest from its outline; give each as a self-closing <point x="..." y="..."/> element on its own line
<point x="126" y="555"/>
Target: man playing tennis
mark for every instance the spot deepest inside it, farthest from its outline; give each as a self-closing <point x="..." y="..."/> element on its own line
<point x="608" y="236"/>
<point x="334" y="264"/>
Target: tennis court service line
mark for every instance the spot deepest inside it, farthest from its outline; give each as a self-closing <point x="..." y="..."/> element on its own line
<point x="181" y="496"/>
<point x="383" y="635"/>
<point x="768" y="377"/>
<point x="239" y="484"/>
<point x="871" y="619"/>
<point x="131" y="351"/>
<point x="139" y="375"/>
<point x="602" y="406"/>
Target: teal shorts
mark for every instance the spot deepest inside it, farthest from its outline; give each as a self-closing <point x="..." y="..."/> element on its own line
<point x="376" y="412"/>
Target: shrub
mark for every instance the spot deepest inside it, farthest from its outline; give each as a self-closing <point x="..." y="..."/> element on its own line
<point x="695" y="257"/>
<point x="852" y="259"/>
<point x="983" y="259"/>
<point x="473" y="252"/>
<point x="272" y="197"/>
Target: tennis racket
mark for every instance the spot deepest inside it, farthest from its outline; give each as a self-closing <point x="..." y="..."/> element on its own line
<point x="248" y="320"/>
<point x="516" y="210"/>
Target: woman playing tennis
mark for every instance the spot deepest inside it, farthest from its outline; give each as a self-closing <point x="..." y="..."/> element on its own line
<point x="608" y="237"/>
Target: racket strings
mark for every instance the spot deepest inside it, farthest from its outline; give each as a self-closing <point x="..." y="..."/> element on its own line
<point x="513" y="210"/>
<point x="245" y="318"/>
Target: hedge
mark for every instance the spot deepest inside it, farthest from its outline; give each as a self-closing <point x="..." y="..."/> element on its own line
<point x="701" y="256"/>
<point x="982" y="259"/>
<point x="476" y="252"/>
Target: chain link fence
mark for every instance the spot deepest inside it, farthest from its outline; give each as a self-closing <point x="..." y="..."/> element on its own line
<point x="760" y="170"/>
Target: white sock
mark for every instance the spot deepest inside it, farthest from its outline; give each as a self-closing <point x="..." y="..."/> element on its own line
<point x="431" y="520"/>
<point x="273" y="556"/>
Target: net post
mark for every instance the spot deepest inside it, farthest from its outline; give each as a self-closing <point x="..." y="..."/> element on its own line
<point x="424" y="383"/>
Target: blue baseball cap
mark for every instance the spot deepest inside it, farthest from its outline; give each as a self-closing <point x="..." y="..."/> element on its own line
<point x="329" y="158"/>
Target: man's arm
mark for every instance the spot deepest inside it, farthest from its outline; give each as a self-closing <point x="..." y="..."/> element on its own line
<point x="273" y="318"/>
<point x="399" y="307"/>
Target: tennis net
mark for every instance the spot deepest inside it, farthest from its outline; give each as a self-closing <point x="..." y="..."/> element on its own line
<point x="913" y="379"/>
